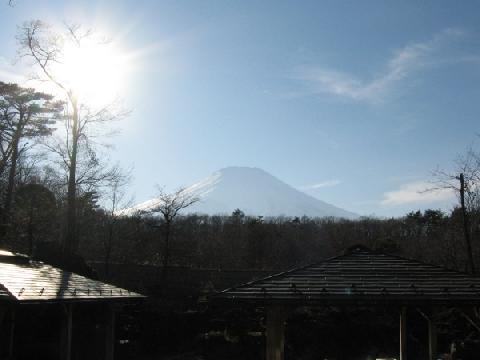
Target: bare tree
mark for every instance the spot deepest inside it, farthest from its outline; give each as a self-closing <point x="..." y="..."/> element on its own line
<point x="45" y="46"/>
<point x="116" y="199"/>
<point x="465" y="182"/>
<point x="169" y="205"/>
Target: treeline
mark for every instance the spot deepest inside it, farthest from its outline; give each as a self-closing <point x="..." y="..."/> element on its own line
<point x="241" y="242"/>
<point x="231" y="242"/>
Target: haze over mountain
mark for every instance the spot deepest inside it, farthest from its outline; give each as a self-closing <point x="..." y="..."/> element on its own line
<point x="255" y="192"/>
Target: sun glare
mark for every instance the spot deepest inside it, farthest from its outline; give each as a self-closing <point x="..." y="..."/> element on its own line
<point x="94" y="71"/>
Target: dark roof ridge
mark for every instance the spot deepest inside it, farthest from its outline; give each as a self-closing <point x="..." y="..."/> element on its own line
<point x="349" y="251"/>
<point x="355" y="248"/>
<point x="432" y="265"/>
<point x="360" y="247"/>
<point x="281" y="273"/>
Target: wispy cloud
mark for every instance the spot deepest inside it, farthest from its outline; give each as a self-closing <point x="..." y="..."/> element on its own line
<point x="8" y="73"/>
<point x="419" y="192"/>
<point x="19" y="74"/>
<point x="323" y="184"/>
<point x="403" y="63"/>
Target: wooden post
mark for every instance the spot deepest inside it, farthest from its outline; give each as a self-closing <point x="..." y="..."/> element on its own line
<point x="432" y="332"/>
<point x="276" y="317"/>
<point x="3" y="310"/>
<point x="12" y="334"/>
<point x="403" y="333"/>
<point x="432" y="338"/>
<point x="66" y="333"/>
<point x="110" y="333"/>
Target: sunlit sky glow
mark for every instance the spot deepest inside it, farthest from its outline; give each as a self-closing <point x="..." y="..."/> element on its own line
<point x="94" y="70"/>
<point x="353" y="102"/>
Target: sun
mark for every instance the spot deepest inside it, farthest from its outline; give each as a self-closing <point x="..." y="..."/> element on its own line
<point x="94" y="71"/>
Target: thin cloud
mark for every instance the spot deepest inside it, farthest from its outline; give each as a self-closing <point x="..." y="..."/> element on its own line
<point x="402" y="64"/>
<point x="323" y="184"/>
<point x="8" y="73"/>
<point x="419" y="192"/>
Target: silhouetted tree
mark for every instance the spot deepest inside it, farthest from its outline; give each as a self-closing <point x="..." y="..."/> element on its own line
<point x="45" y="46"/>
<point x="116" y="200"/>
<point x="24" y="114"/>
<point x="169" y="205"/>
<point x="35" y="213"/>
<point x="465" y="181"/>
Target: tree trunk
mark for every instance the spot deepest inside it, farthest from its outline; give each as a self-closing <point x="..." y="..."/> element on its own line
<point x="30" y="232"/>
<point x="166" y="254"/>
<point x="108" y="247"/>
<point x="11" y="179"/>
<point x="466" y="225"/>
<point x="71" y="243"/>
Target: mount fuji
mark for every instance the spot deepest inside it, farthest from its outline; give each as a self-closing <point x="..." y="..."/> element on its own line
<point x="255" y="192"/>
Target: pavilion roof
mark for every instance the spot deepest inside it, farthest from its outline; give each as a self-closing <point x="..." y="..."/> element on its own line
<point x="23" y="280"/>
<point x="361" y="275"/>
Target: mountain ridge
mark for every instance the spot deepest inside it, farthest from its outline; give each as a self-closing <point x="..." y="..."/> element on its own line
<point x="255" y="192"/>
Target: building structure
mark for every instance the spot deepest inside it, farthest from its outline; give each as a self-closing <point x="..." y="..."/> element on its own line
<point x="47" y="312"/>
<point x="359" y="277"/>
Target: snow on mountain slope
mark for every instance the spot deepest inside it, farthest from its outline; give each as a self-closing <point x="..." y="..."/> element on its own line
<point x="253" y="191"/>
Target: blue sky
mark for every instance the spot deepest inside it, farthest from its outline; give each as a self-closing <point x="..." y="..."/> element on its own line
<point x="354" y="102"/>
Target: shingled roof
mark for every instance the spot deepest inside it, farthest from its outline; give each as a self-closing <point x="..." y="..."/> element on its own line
<point x="361" y="276"/>
<point x="23" y="280"/>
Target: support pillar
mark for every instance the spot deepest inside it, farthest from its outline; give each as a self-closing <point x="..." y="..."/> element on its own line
<point x="66" y="333"/>
<point x="276" y="317"/>
<point x="3" y="311"/>
<point x="11" y="342"/>
<point x="432" y="332"/>
<point x="432" y="339"/>
<point x="110" y="333"/>
<point x="403" y="333"/>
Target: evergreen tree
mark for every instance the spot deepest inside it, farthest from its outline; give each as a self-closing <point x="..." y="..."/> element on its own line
<point x="25" y="114"/>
